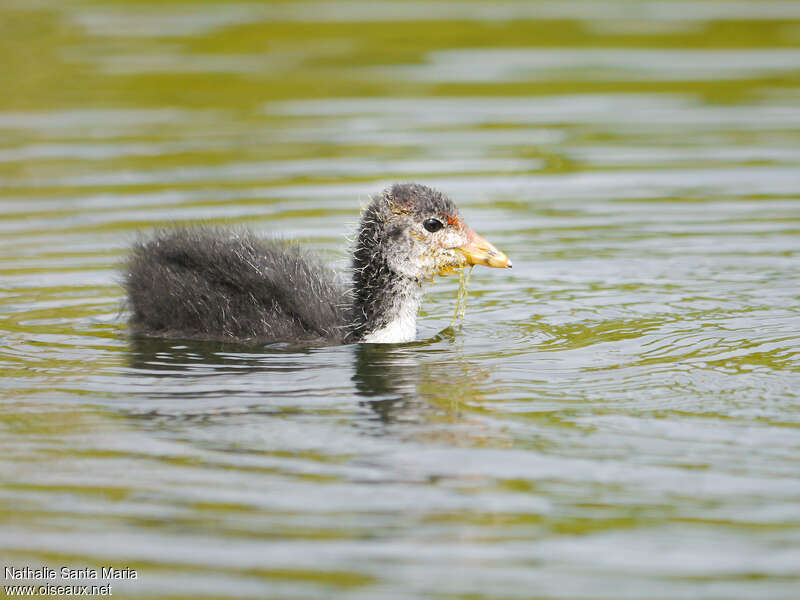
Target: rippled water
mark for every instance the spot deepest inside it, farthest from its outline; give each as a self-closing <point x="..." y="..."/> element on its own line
<point x="618" y="417"/>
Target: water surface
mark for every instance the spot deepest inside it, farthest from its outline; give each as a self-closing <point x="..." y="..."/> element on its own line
<point x="616" y="417"/>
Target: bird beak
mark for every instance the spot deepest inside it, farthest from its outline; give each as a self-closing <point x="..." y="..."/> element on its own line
<point x="479" y="251"/>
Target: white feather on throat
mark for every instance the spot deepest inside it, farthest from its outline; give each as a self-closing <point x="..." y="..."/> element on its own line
<point x="403" y="325"/>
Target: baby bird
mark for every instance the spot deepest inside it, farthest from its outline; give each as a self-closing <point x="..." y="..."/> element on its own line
<point x="213" y="284"/>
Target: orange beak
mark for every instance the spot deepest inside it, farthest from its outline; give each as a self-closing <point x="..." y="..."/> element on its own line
<point x="479" y="251"/>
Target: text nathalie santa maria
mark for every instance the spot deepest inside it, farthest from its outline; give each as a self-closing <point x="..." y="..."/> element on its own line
<point x="20" y="573"/>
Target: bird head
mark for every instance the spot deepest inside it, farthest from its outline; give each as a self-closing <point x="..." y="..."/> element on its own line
<point x="420" y="233"/>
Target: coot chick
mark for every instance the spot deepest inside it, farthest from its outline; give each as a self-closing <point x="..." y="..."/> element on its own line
<point x="214" y="284"/>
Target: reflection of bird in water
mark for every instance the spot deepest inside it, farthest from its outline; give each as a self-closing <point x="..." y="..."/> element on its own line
<point x="232" y="286"/>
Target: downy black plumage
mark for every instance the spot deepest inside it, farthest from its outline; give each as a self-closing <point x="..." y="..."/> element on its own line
<point x="228" y="285"/>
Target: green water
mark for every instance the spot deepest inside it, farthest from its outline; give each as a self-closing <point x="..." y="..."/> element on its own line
<point x="617" y="418"/>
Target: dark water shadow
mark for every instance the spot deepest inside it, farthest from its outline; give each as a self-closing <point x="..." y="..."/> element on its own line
<point x="401" y="381"/>
<point x="394" y="381"/>
<point x="379" y="368"/>
<point x="174" y="358"/>
<point x="392" y="369"/>
<point x="386" y="376"/>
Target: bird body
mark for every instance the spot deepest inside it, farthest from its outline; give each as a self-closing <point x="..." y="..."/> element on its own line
<point x="215" y="284"/>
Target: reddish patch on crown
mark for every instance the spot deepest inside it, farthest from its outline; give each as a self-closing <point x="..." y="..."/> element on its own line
<point x="454" y="221"/>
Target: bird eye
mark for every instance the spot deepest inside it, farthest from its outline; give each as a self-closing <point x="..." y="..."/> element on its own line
<point x="432" y="225"/>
